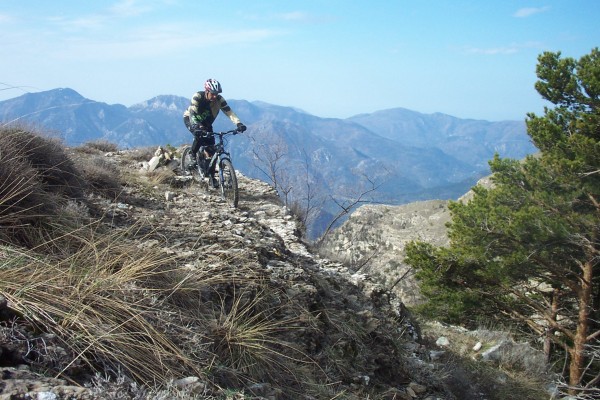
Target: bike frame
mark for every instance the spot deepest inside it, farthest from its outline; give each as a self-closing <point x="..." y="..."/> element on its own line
<point x="219" y="151"/>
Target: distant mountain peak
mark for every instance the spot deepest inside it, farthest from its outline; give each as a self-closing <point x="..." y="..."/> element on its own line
<point x="414" y="156"/>
<point x="269" y="105"/>
<point x="60" y="93"/>
<point x="162" y="102"/>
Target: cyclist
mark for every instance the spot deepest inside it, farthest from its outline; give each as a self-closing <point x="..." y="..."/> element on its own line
<point x="203" y="111"/>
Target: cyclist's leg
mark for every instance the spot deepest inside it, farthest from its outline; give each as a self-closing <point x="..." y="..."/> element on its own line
<point x="195" y="147"/>
<point x="209" y="151"/>
<point x="204" y="145"/>
<point x="202" y="160"/>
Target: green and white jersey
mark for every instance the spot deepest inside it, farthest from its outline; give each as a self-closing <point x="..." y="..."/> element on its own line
<point x="203" y="112"/>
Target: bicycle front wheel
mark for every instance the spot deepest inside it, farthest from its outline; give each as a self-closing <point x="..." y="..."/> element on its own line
<point x="186" y="160"/>
<point x="228" y="182"/>
<point x="188" y="165"/>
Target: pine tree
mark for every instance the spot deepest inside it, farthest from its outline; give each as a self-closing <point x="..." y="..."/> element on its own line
<point x="527" y="250"/>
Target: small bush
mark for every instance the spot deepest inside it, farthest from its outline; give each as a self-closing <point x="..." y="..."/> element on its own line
<point x="21" y="193"/>
<point x="141" y="154"/>
<point x="101" y="145"/>
<point x="102" y="176"/>
<point x="37" y="179"/>
<point x="161" y="176"/>
<point x="55" y="170"/>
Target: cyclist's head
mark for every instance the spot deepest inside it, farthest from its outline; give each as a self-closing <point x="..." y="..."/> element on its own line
<point x="213" y="86"/>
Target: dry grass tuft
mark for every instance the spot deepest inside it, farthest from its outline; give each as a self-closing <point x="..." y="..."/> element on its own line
<point x="37" y="181"/>
<point x="141" y="154"/>
<point x="93" y="301"/>
<point x="55" y="170"/>
<point x="102" y="176"/>
<point x="100" y="145"/>
<point x="246" y="334"/>
<point x="161" y="176"/>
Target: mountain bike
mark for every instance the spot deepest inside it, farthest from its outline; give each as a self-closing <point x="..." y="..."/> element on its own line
<point x="218" y="172"/>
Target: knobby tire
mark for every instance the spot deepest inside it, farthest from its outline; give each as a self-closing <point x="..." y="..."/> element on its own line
<point x="186" y="161"/>
<point x="228" y="182"/>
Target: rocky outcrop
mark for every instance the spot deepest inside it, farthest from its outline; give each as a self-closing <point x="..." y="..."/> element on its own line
<point x="372" y="240"/>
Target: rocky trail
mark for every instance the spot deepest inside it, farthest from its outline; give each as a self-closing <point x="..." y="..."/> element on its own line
<point x="356" y="335"/>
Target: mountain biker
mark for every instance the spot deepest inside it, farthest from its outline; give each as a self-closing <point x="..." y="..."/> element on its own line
<point x="203" y="111"/>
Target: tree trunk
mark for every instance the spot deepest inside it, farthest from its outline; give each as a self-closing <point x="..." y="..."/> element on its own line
<point x="577" y="365"/>
<point x="550" y="330"/>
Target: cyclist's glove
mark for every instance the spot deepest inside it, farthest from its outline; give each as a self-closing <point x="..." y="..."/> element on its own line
<point x="198" y="129"/>
<point x="241" y="127"/>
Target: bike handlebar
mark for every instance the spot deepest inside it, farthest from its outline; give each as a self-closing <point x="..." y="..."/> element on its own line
<point x="208" y="134"/>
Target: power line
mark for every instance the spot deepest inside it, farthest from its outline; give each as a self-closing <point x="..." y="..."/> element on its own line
<point x="20" y="87"/>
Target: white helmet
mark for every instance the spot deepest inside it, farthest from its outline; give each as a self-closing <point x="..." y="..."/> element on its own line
<point x="213" y="86"/>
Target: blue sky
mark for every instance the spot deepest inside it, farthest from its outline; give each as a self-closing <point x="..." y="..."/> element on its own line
<point x="470" y="59"/>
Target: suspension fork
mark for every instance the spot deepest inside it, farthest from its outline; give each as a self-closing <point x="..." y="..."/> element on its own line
<point x="213" y="160"/>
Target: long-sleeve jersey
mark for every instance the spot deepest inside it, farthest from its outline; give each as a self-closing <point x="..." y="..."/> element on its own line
<point x="202" y="111"/>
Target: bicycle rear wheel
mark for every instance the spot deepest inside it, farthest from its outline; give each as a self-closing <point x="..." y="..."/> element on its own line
<point x="228" y="182"/>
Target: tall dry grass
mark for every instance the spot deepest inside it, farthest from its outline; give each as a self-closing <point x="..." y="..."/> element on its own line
<point x="124" y="309"/>
<point x="55" y="169"/>
<point x="37" y="180"/>
<point x="113" y="306"/>
<point x="93" y="301"/>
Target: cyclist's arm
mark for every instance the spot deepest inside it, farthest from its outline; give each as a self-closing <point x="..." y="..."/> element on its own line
<point x="228" y="111"/>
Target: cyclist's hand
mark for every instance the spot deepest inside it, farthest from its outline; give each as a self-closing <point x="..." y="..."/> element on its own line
<point x="199" y="130"/>
<point x="241" y="127"/>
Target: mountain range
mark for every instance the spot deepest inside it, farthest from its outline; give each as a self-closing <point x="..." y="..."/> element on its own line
<point x="405" y="155"/>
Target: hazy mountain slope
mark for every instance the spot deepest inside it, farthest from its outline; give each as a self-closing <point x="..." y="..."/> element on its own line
<point x="73" y="117"/>
<point x="473" y="141"/>
<point x="374" y="238"/>
<point x="375" y="235"/>
<point x="409" y="156"/>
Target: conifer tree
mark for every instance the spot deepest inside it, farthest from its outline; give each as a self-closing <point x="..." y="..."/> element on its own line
<point x="527" y="250"/>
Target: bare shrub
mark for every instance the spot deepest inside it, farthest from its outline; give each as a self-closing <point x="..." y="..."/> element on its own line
<point x="56" y="171"/>
<point x="141" y="154"/>
<point x="102" y="176"/>
<point x="37" y="179"/>
<point x="160" y="176"/>
<point x="102" y="145"/>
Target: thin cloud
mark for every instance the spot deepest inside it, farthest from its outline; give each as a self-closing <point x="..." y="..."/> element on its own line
<point x="529" y="11"/>
<point x="121" y="10"/>
<point x="155" y="42"/>
<point x="5" y="18"/>
<point x="302" y="17"/>
<point x="492" y="50"/>
<point x="294" y="16"/>
<point x="77" y="24"/>
<point x="502" y="50"/>
<point x="129" y="8"/>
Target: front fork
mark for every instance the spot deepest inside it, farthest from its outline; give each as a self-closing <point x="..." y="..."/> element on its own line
<point x="214" y="163"/>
